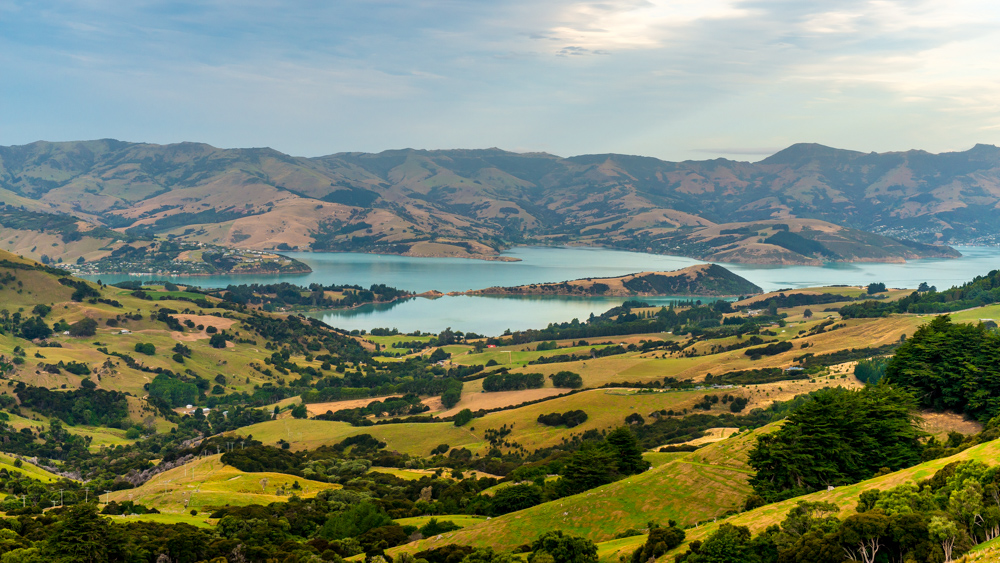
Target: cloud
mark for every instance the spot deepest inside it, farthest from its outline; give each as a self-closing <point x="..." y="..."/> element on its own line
<point x="654" y="77"/>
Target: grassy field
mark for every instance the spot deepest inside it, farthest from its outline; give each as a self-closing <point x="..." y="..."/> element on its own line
<point x="27" y="469"/>
<point x="689" y="488"/>
<point x="519" y="355"/>
<point x="415" y="438"/>
<point x="463" y="520"/>
<point x="207" y="484"/>
<point x="844" y="497"/>
<point x="199" y="520"/>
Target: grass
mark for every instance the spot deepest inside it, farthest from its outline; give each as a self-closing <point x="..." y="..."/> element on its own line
<point x="414" y="438"/>
<point x="207" y="484"/>
<point x="27" y="469"/>
<point x="518" y="355"/>
<point x="173" y="295"/>
<point x="845" y="497"/>
<point x="201" y="520"/>
<point x="463" y="520"/>
<point x="686" y="488"/>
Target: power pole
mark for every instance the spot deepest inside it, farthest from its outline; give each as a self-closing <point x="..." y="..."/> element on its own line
<point x="86" y="494"/>
<point x="109" y="497"/>
<point x="61" y="497"/>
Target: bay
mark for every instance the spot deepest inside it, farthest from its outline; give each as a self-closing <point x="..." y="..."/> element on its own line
<point x="493" y="315"/>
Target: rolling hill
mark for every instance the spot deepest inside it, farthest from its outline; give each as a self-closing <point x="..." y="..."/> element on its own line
<point x="805" y="204"/>
<point x="703" y="279"/>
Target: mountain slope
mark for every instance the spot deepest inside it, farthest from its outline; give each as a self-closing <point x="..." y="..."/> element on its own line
<point x="473" y="202"/>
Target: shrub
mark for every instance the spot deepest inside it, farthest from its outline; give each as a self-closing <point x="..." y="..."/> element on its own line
<point x="83" y="328"/>
<point x="463" y="417"/>
<point x="569" y="418"/>
<point x="566" y="379"/>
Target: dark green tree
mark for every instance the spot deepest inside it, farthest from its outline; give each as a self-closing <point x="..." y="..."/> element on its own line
<point x="628" y="452"/>
<point x="838" y="437"/>
<point x="590" y="467"/>
<point x="35" y="327"/>
<point x="81" y="535"/>
<point x="563" y="548"/>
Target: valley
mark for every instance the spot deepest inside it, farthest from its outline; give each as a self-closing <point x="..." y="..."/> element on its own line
<point x="179" y="405"/>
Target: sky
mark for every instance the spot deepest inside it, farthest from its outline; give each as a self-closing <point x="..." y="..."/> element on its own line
<point x="678" y="79"/>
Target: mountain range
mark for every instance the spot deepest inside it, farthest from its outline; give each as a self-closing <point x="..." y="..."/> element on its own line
<point x="806" y="204"/>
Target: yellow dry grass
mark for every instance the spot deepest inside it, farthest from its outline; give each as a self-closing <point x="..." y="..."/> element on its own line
<point x="207" y="484"/>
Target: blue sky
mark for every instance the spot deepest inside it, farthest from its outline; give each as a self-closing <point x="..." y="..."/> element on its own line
<point x="680" y="79"/>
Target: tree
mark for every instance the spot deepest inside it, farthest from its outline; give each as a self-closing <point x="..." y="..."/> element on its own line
<point x="566" y="379"/>
<point x="874" y="288"/>
<point x="35" y="328"/>
<point x="463" y="417"/>
<point x="487" y="555"/>
<point x="354" y="521"/>
<point x="217" y="340"/>
<point x="514" y="498"/>
<point x="563" y="548"/>
<point x="659" y="541"/>
<point x="951" y="366"/>
<point x="862" y="535"/>
<point x="728" y="544"/>
<point x="80" y="535"/>
<point x="807" y="314"/>
<point x="838" y="437"/>
<point x="627" y="450"/>
<point x="300" y="411"/>
<point x="83" y="328"/>
<point x="589" y="467"/>
<point x="944" y="532"/>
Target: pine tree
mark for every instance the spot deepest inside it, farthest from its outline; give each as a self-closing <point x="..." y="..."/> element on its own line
<point x="628" y="452"/>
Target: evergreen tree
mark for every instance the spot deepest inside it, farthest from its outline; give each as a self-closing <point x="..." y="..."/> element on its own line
<point x="80" y="536"/>
<point x="837" y="438"/>
<point x="627" y="450"/>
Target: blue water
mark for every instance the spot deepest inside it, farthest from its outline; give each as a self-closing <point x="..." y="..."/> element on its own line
<point x="493" y="315"/>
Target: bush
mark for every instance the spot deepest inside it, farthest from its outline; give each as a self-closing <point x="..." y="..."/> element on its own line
<point x="563" y="548"/>
<point x="146" y="348"/>
<point x="514" y="498"/>
<point x="217" y="340"/>
<point x="433" y="527"/>
<point x="769" y="350"/>
<point x="463" y="417"/>
<point x="567" y="380"/>
<point x="660" y="541"/>
<point x="570" y="418"/>
<point x="83" y="328"/>
<point x="513" y="381"/>
<point x="35" y="328"/>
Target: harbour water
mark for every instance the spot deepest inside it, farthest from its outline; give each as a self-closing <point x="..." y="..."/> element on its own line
<point x="493" y="315"/>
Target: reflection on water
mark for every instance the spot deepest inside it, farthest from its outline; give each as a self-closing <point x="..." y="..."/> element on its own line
<point x="492" y="315"/>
